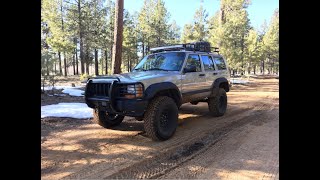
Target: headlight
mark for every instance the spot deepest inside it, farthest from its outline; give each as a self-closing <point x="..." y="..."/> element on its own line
<point x="134" y="91"/>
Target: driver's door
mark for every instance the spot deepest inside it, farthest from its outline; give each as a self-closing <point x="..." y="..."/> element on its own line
<point x="193" y="82"/>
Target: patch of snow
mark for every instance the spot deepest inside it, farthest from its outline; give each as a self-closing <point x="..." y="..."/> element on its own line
<point x="46" y="88"/>
<point x="72" y="110"/>
<point x="73" y="92"/>
<point x="238" y="81"/>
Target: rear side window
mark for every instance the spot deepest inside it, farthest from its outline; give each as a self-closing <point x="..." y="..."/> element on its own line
<point x="194" y="60"/>
<point x="220" y="63"/>
<point x="207" y="62"/>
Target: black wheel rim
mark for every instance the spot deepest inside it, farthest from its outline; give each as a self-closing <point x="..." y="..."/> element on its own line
<point x="166" y="122"/>
<point x="164" y="119"/>
<point x="112" y="117"/>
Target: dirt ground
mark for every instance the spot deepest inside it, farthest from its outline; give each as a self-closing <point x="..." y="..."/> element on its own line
<point x="242" y="144"/>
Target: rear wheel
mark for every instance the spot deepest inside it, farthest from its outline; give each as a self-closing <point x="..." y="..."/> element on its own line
<point x="161" y="118"/>
<point x="218" y="103"/>
<point x="106" y="120"/>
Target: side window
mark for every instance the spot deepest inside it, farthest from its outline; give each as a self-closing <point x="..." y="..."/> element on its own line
<point x="220" y="63"/>
<point x="194" y="59"/>
<point x="207" y="62"/>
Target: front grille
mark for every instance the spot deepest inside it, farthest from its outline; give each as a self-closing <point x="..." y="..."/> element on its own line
<point x="98" y="89"/>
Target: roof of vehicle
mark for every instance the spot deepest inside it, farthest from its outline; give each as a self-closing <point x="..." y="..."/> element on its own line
<point x="191" y="52"/>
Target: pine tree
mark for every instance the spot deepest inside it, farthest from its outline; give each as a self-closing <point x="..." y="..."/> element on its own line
<point x="200" y="24"/>
<point x="60" y="41"/>
<point x="198" y="29"/>
<point x="230" y="34"/>
<point x="153" y="25"/>
<point x="252" y="50"/>
<point x="174" y="33"/>
<point x="271" y="43"/>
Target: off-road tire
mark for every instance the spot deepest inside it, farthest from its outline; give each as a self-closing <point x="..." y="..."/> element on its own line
<point x="105" y="120"/>
<point x="218" y="102"/>
<point x="161" y="118"/>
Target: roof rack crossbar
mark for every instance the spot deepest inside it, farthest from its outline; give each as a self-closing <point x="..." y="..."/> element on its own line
<point x="201" y="46"/>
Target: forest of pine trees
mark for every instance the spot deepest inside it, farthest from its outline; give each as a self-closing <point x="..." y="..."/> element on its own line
<point x="77" y="36"/>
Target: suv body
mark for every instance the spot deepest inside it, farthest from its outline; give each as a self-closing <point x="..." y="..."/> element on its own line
<point x="183" y="76"/>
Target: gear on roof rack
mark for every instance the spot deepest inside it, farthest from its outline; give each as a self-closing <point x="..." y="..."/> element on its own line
<point x="201" y="46"/>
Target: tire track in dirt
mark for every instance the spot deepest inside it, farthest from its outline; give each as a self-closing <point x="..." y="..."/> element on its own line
<point x="220" y="160"/>
<point x="184" y="145"/>
<point x="98" y="170"/>
<point x="159" y="165"/>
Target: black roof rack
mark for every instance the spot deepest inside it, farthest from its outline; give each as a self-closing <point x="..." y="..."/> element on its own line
<point x="201" y="46"/>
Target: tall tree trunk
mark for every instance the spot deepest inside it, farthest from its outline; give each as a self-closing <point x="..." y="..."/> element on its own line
<point x="272" y="67"/>
<point x="65" y="63"/>
<point x="77" y="65"/>
<point x="62" y="27"/>
<point x="87" y="62"/>
<point x="55" y="68"/>
<point x="60" y="66"/>
<point x="80" y="38"/>
<point x="143" y="53"/>
<point x="254" y="69"/>
<point x="117" y="46"/>
<point x="242" y="58"/>
<point x="47" y="64"/>
<point x="128" y="64"/>
<point x="106" y="54"/>
<point x="262" y="66"/>
<point x="102" y="63"/>
<point x="96" y="65"/>
<point x="87" y="68"/>
<point x="111" y="51"/>
<point x="74" y="63"/>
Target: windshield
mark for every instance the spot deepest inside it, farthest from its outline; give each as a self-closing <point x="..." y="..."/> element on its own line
<point x="171" y="61"/>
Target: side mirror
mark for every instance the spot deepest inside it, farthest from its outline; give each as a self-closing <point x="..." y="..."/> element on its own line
<point x="190" y="68"/>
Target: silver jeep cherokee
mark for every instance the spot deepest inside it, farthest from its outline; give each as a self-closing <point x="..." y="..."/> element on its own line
<point x="160" y="83"/>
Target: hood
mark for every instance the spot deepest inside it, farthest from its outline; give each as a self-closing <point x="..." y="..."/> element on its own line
<point x="146" y="77"/>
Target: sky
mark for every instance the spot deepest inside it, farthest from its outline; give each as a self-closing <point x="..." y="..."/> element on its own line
<point x="183" y="10"/>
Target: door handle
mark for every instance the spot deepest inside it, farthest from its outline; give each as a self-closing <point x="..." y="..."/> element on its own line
<point x="202" y="74"/>
<point x="215" y="73"/>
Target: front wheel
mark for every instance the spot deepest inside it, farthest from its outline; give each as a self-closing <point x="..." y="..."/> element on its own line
<point x="161" y="118"/>
<point x="218" y="103"/>
<point x="106" y="120"/>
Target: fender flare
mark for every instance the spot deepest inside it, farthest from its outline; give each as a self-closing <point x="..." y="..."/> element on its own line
<point x="218" y="81"/>
<point x="153" y="89"/>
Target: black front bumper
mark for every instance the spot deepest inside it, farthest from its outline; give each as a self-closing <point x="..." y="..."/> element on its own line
<point x="126" y="107"/>
<point x="108" y="101"/>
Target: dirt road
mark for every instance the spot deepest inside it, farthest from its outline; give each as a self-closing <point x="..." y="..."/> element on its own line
<point x="243" y="144"/>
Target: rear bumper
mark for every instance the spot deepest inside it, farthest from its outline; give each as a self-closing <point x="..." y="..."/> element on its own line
<point x="126" y="107"/>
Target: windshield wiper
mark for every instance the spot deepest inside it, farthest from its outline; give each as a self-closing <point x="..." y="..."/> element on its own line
<point x="158" y="69"/>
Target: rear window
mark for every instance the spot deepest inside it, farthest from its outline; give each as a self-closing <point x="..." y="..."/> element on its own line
<point x="220" y="63"/>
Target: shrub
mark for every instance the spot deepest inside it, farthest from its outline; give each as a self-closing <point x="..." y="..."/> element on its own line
<point x="84" y="77"/>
